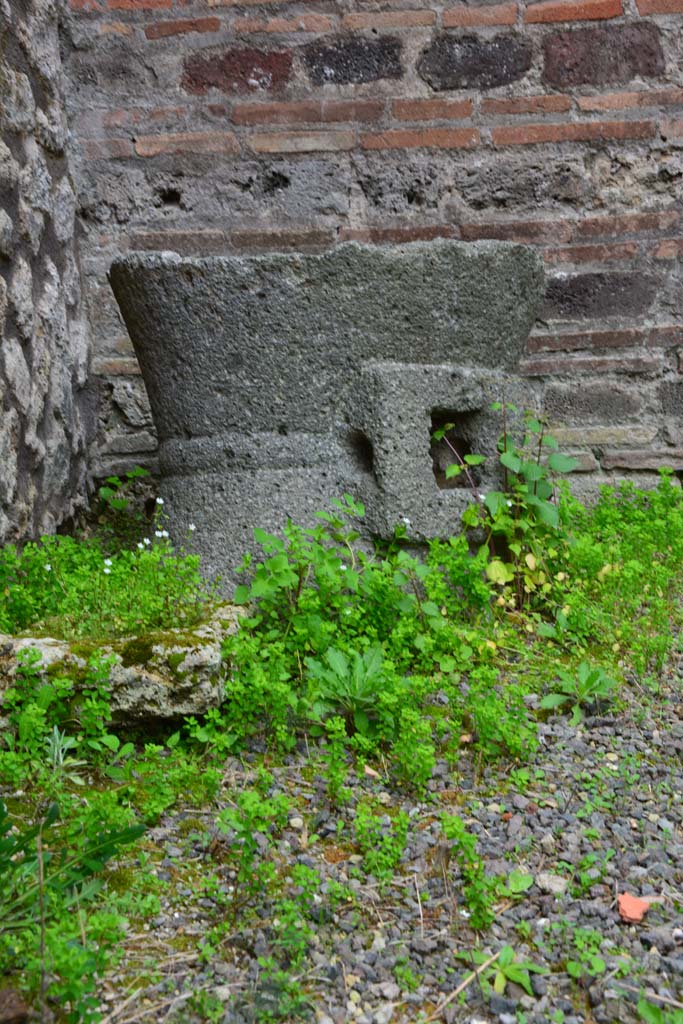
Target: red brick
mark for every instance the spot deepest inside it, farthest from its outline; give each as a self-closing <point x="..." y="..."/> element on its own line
<point x="549" y="367"/>
<point x="388" y="19"/>
<point x="588" y="131"/>
<point x="615" y="459"/>
<point x="527" y="105"/>
<point x="208" y="242"/>
<point x="272" y="241"/>
<point x="236" y="70"/>
<point x="138" y="5"/>
<point x="668" y="249"/>
<point x="302" y="23"/>
<point x="302" y="142"/>
<point x="592" y="253"/>
<point x="529" y="231"/>
<point x="244" y="3"/>
<point x="464" y="16"/>
<point x="119" y="117"/>
<point x="162" y="29"/>
<point x="108" y="149"/>
<point x="577" y="340"/>
<point x="429" y="138"/>
<point x="114" y="28"/>
<point x="382" y="236"/>
<point x="431" y="110"/>
<point x="646" y="7"/>
<point x="631" y="100"/>
<point x="305" y="111"/>
<point x="186" y="143"/>
<point x="571" y="10"/>
<point x="85" y="5"/>
<point x="626" y="224"/>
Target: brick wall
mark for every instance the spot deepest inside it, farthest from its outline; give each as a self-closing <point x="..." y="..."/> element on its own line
<point x="211" y="126"/>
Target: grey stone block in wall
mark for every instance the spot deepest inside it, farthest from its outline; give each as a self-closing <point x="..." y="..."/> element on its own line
<point x="279" y="382"/>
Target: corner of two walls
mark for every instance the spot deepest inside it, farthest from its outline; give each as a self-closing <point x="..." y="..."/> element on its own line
<point x="217" y="126"/>
<point x="47" y="410"/>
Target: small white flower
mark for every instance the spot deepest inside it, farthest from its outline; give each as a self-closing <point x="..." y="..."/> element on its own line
<point x="107" y="561"/>
<point x="344" y="567"/>
<point x="146" y="541"/>
<point x="107" y="570"/>
<point x="482" y="497"/>
<point x="164" y="533"/>
<point x="192" y="527"/>
<point x="160" y="501"/>
<point x="48" y="567"/>
<point x="509" y="503"/>
<point x="406" y="520"/>
<point x="158" y="533"/>
<point x="140" y="546"/>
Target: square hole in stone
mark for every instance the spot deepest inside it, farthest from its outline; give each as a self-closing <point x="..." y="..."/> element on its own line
<point x="452" y="449"/>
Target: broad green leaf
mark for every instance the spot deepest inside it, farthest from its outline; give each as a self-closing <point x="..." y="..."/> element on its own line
<point x="548" y="514"/>
<point x="520" y="976"/>
<point x="519" y="882"/>
<point x="494" y="501"/>
<point x="531" y="471"/>
<point x="498" y="572"/>
<point x="475" y="460"/>
<point x="511" y="461"/>
<point x="650" y="1013"/>
<point x="553" y="700"/>
<point x="506" y="956"/>
<point x="453" y="470"/>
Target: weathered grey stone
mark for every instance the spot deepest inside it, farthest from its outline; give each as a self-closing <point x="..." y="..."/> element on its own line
<point x="9" y="168"/>
<point x="9" y="429"/>
<point x="31" y="225"/>
<point x="279" y="382"/>
<point x="18" y="109"/>
<point x="16" y="373"/>
<point x="63" y="210"/>
<point x="3" y="305"/>
<point x="21" y="297"/>
<point x="132" y="402"/>
<point x="162" y="675"/>
<point x="35" y="181"/>
<point x="6" y="235"/>
<point x="51" y="127"/>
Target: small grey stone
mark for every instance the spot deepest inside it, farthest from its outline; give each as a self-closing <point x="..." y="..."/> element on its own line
<point x="554" y="884"/>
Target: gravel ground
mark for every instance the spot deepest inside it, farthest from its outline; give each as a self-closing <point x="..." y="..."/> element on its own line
<point x="596" y="812"/>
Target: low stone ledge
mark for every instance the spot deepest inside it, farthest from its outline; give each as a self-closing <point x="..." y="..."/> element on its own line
<point x="161" y="675"/>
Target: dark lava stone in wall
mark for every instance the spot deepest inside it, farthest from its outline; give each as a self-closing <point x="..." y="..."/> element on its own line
<point x="467" y="62"/>
<point x="600" y="56"/>
<point x="596" y="295"/>
<point x="671" y="397"/>
<point x="591" y="401"/>
<point x="353" y="60"/>
<point x="237" y="71"/>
